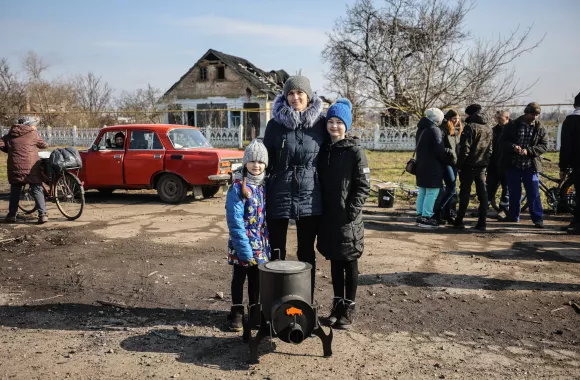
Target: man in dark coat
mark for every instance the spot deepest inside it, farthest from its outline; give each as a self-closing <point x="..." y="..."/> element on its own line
<point x="495" y="172"/>
<point x="22" y="143"/>
<point x="570" y="158"/>
<point x="293" y="138"/>
<point x="523" y="142"/>
<point x="472" y="160"/>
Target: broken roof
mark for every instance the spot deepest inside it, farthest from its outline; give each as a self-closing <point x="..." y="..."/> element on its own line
<point x="268" y="83"/>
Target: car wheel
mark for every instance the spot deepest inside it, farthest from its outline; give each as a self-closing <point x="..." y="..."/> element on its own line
<point x="171" y="188"/>
<point x="210" y="191"/>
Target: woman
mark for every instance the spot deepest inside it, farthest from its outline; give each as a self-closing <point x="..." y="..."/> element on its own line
<point x="344" y="177"/>
<point x="431" y="159"/>
<point x="22" y="143"/>
<point x="293" y="138"/>
<point x="445" y="207"/>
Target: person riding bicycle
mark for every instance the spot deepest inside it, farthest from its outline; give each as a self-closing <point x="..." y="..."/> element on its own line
<point x="22" y="144"/>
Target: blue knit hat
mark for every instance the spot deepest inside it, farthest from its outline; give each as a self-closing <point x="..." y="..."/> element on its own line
<point x="342" y="109"/>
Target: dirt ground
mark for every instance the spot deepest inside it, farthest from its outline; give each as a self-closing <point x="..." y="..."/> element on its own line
<point x="129" y="291"/>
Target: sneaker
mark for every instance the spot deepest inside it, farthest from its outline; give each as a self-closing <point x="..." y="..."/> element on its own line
<point x="344" y="321"/>
<point x="334" y="312"/>
<point x="236" y="318"/>
<point x="501" y="216"/>
<point x="539" y="224"/>
<point x="10" y="219"/>
<point x="480" y="227"/>
<point x="424" y="222"/>
<point x="42" y="219"/>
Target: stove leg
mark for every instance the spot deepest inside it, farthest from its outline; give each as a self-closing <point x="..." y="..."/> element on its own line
<point x="254" y="342"/>
<point x="326" y="340"/>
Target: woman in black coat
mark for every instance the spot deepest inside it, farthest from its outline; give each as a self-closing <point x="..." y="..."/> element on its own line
<point x="431" y="160"/>
<point x="293" y="139"/>
<point x="344" y="178"/>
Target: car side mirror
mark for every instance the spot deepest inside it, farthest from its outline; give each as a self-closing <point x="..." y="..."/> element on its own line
<point x="94" y="147"/>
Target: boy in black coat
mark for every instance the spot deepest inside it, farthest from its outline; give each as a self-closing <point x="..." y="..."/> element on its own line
<point x="344" y="179"/>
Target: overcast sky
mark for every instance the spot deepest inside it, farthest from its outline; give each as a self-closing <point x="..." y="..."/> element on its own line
<point x="132" y="43"/>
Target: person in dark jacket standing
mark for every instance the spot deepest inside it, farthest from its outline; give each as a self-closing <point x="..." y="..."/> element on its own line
<point x="345" y="183"/>
<point x="523" y="142"/>
<point x="293" y="139"/>
<point x="445" y="206"/>
<point x="495" y="172"/>
<point x="472" y="159"/>
<point x="431" y="160"/>
<point x="24" y="167"/>
<point x="570" y="158"/>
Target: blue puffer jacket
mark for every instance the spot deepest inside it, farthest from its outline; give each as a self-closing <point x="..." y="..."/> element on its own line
<point x="248" y="241"/>
<point x="293" y="140"/>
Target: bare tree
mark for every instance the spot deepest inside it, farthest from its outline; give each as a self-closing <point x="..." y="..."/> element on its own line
<point x="141" y="104"/>
<point x="33" y="65"/>
<point x="12" y="94"/>
<point x="415" y="54"/>
<point x="93" y="96"/>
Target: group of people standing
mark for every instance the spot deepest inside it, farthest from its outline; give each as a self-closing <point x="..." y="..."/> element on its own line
<point x="506" y="155"/>
<point x="309" y="171"/>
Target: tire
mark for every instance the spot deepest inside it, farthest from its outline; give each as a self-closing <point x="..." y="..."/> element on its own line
<point x="26" y="204"/>
<point x="568" y="196"/>
<point x="210" y="191"/>
<point x="106" y="191"/>
<point x="171" y="189"/>
<point x="69" y="196"/>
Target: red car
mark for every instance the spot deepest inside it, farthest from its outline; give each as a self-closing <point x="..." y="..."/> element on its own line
<point x="173" y="159"/>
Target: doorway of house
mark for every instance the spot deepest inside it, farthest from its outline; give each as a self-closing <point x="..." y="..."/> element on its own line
<point x="251" y="121"/>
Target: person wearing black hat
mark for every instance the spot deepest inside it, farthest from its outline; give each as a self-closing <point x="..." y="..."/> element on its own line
<point x="523" y="142"/>
<point x="570" y="158"/>
<point x="472" y="161"/>
<point x="293" y="138"/>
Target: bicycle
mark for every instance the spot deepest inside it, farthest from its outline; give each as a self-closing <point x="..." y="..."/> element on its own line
<point x="64" y="189"/>
<point x="560" y="198"/>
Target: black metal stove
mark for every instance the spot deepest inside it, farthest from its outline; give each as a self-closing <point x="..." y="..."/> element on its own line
<point x="286" y="310"/>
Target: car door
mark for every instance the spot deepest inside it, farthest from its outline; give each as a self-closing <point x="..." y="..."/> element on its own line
<point x="104" y="166"/>
<point x="144" y="157"/>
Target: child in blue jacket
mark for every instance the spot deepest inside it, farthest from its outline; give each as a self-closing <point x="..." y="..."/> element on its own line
<point x="248" y="236"/>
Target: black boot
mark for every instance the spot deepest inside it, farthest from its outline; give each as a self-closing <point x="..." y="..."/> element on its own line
<point x="334" y="312"/>
<point x="236" y="317"/>
<point x="346" y="316"/>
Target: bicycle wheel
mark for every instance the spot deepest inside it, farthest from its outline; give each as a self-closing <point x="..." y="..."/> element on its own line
<point x="26" y="204"/>
<point x="69" y="196"/>
<point x="568" y="196"/>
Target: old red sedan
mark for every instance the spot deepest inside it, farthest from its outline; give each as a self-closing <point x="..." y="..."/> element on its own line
<point x="173" y="159"/>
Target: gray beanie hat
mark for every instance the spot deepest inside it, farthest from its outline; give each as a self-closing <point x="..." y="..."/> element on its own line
<point x="435" y="115"/>
<point x="255" y="151"/>
<point x="27" y="120"/>
<point x="298" y="82"/>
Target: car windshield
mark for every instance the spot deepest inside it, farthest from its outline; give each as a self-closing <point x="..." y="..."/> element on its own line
<point x="184" y="138"/>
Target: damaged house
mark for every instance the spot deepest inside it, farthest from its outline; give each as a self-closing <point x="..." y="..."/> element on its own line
<point x="223" y="91"/>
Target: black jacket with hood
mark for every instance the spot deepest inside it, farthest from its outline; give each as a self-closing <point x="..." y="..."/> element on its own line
<point x="537" y="147"/>
<point x="570" y="142"/>
<point x="475" y="143"/>
<point x="431" y="155"/>
<point x="293" y="141"/>
<point x="344" y="179"/>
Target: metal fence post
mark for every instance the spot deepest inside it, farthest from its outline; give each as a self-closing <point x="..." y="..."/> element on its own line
<point x="49" y="135"/>
<point x="241" y="136"/>
<point x="376" y="134"/>
<point x="75" y="135"/>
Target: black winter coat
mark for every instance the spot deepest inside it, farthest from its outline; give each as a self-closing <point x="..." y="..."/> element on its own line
<point x="570" y="146"/>
<point x="293" y="141"/>
<point x="475" y="143"/>
<point x="344" y="178"/>
<point x="509" y="139"/>
<point x="496" y="149"/>
<point x="431" y="155"/>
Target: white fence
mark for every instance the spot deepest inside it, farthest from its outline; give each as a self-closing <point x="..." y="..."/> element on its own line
<point x="377" y="138"/>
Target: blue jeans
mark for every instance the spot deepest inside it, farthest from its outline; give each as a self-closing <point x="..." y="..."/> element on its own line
<point x="444" y="203"/>
<point x="35" y="190"/>
<point x="531" y="181"/>
<point x="426" y="201"/>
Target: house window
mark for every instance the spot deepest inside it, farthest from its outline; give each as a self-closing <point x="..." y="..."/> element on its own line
<point x="236" y="118"/>
<point x="220" y="72"/>
<point x="203" y="73"/>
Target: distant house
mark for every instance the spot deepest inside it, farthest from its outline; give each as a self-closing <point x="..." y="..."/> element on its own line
<point x="223" y="91"/>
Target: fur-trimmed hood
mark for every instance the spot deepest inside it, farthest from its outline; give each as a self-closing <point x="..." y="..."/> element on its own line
<point x="291" y="119"/>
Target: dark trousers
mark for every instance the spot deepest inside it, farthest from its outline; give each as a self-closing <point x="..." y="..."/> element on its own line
<point x="36" y="191"/>
<point x="467" y="176"/>
<point x="495" y="178"/>
<point x="576" y="181"/>
<point x="531" y="181"/>
<point x="307" y="229"/>
<point x="239" y="278"/>
<point x="344" y="274"/>
<point x="445" y="204"/>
